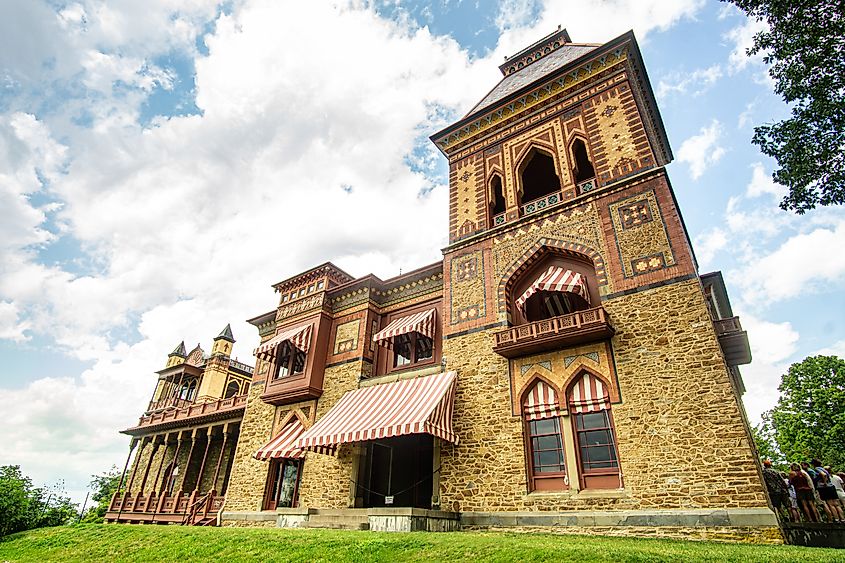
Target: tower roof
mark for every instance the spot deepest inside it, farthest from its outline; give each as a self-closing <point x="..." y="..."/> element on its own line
<point x="226" y="334"/>
<point x="179" y="350"/>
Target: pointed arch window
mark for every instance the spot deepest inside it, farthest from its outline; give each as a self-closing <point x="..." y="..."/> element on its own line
<point x="497" y="201"/>
<point x="545" y="444"/>
<point x="232" y="389"/>
<point x="595" y="437"/>
<point x="583" y="170"/>
<point x="188" y="390"/>
<point x="538" y="176"/>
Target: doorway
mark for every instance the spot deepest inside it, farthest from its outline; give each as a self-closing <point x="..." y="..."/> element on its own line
<point x="282" y="484"/>
<point x="396" y="472"/>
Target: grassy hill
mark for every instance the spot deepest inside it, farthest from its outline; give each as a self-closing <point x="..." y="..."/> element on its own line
<point x="175" y="543"/>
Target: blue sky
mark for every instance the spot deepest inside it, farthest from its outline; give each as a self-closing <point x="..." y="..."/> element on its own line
<point x="163" y="163"/>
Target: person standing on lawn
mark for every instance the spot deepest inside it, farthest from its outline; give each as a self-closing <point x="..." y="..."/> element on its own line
<point x="827" y="493"/>
<point x="804" y="491"/>
<point x="778" y="493"/>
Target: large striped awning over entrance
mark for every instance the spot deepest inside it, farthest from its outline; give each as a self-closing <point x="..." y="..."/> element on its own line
<point x="422" y="405"/>
<point x="282" y="445"/>
<point x="300" y="337"/>
<point x="589" y="394"/>
<point x="422" y="322"/>
<point x="541" y="402"/>
<point x="556" y="279"/>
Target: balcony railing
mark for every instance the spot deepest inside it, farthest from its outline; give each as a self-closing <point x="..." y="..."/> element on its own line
<point x="191" y="410"/>
<point x="541" y="203"/>
<point x="162" y="508"/>
<point x="173" y="402"/>
<point x="733" y="340"/>
<point x="587" y="186"/>
<point x="566" y="330"/>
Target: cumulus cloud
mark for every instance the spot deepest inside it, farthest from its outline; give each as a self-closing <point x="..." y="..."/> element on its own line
<point x="708" y="244"/>
<point x="693" y="83"/>
<point x="703" y="150"/>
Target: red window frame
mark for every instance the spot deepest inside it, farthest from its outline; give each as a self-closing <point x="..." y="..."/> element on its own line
<point x="290" y="359"/>
<point x="546" y="480"/>
<point x="591" y="474"/>
<point x="413" y="340"/>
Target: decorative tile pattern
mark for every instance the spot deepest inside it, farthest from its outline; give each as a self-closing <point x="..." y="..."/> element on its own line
<point x="543" y="364"/>
<point x="569" y="360"/>
<point x="641" y="237"/>
<point x="467" y="292"/>
<point x="346" y="336"/>
<point x="635" y="214"/>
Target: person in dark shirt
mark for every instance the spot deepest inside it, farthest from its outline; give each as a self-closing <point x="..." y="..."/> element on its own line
<point x="803" y="485"/>
<point x="778" y="493"/>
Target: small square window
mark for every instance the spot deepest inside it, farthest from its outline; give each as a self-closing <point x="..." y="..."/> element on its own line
<point x="320" y="284"/>
<point x="311" y="288"/>
<point x="302" y="292"/>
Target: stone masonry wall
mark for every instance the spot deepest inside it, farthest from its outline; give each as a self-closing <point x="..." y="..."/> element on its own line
<point x="680" y="434"/>
<point x="249" y="475"/>
<point x="325" y="479"/>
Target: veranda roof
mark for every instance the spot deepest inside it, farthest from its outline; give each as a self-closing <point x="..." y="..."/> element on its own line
<point x="300" y="337"/>
<point x="422" y="322"/>
<point x="282" y="445"/>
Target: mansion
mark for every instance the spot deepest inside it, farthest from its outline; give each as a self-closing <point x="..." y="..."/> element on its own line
<point x="564" y="366"/>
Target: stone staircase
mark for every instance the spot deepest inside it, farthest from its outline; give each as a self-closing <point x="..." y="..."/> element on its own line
<point x="349" y="519"/>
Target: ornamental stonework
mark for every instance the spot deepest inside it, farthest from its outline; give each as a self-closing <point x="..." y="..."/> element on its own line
<point x="346" y="337"/>
<point x="641" y="238"/>
<point x="468" y="292"/>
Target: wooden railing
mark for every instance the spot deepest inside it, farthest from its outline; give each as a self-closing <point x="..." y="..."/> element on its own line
<point x="580" y="326"/>
<point x="172" y="402"/>
<point x="192" y="409"/>
<point x="728" y="325"/>
<point x="155" y="507"/>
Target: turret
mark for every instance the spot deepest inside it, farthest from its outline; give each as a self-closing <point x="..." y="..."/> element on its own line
<point x="223" y="342"/>
<point x="177" y="356"/>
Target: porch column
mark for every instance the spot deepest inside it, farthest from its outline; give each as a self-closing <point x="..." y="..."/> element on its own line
<point x="435" y="475"/>
<point x="132" y="444"/>
<point x="172" y="478"/>
<point x="188" y="462"/>
<point x="161" y="463"/>
<point x="204" y="458"/>
<point x="135" y="465"/>
<point x="220" y="459"/>
<point x="149" y="463"/>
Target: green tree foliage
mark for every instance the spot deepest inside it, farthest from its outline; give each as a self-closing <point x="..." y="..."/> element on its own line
<point x="767" y="448"/>
<point x="104" y="487"/>
<point x="23" y="507"/>
<point x="805" y="46"/>
<point x="809" y="418"/>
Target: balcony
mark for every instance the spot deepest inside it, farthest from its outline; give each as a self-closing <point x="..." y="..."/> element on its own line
<point x="576" y="328"/>
<point x="172" y="403"/>
<point x="219" y="409"/>
<point x="733" y="340"/>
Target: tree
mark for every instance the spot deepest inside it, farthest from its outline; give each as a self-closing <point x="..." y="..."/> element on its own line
<point x="805" y="46"/>
<point x="764" y="440"/>
<point x="104" y="487"/>
<point x="23" y="507"/>
<point x="809" y="418"/>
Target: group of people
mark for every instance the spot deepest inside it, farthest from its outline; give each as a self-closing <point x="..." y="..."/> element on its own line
<point x="808" y="486"/>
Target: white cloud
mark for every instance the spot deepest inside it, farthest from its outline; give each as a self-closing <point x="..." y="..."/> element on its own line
<point x="742" y="38"/>
<point x="762" y="183"/>
<point x="835" y="349"/>
<point x="703" y="150"/>
<point x="693" y="83"/>
<point x="708" y="244"/>
<point x="11" y="327"/>
<point x="772" y="344"/>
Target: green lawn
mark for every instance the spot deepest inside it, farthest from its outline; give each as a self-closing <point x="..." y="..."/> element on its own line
<point x="175" y="543"/>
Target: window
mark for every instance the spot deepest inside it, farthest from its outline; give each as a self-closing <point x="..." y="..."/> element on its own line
<point x="583" y="169"/>
<point x="282" y="484"/>
<point x="188" y="390"/>
<point x="538" y="176"/>
<point x="232" y="389"/>
<point x="290" y="360"/>
<point x="411" y="348"/>
<point x="547" y="304"/>
<point x="497" y="199"/>
<point x="546" y="446"/>
<point x="596" y="446"/>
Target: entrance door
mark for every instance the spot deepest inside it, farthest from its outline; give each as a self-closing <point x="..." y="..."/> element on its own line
<point x="397" y="472"/>
<point x="282" y="484"/>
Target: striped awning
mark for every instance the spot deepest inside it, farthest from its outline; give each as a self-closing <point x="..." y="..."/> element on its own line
<point x="300" y="337"/>
<point x="589" y="394"/>
<point x="422" y="405"/>
<point x="541" y="402"/>
<point x="556" y="279"/>
<point x="422" y="322"/>
<point x="282" y="445"/>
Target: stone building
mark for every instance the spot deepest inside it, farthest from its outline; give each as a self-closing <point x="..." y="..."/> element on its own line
<point x="563" y="366"/>
<point x="185" y="441"/>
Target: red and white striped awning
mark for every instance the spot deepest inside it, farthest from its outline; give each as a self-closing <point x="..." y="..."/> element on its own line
<point x="541" y="402"/>
<point x="282" y="445"/>
<point x="422" y="405"/>
<point x="556" y="279"/>
<point x="422" y="322"/>
<point x="589" y="394"/>
<point x="300" y="337"/>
